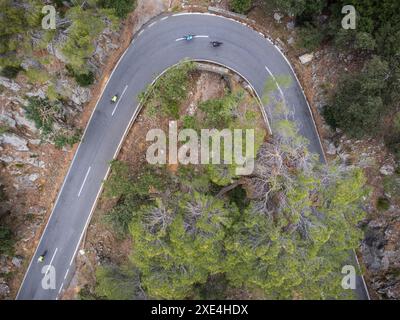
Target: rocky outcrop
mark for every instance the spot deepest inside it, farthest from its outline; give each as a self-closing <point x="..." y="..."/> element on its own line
<point x="381" y="255"/>
<point x="18" y="143"/>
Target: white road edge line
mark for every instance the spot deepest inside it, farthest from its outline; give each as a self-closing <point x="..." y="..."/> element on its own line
<point x="59" y="291"/>
<point x="51" y="261"/>
<point x="84" y="181"/>
<point x="165" y="18"/>
<point x="119" y="100"/>
<point x="152" y="24"/>
<point x="66" y="274"/>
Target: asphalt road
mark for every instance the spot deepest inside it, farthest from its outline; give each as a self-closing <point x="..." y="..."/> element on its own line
<point x="154" y="49"/>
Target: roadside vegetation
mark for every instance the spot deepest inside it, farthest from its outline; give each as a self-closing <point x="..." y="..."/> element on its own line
<point x="202" y="232"/>
<point x="365" y="103"/>
<point x="22" y="37"/>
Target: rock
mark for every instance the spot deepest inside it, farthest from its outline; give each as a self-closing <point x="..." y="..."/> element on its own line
<point x="80" y="95"/>
<point x="30" y="63"/>
<point x="39" y="93"/>
<point x="17" y="261"/>
<point x="19" y="144"/>
<point x="9" y="84"/>
<point x="290" y="25"/>
<point x="4" y="289"/>
<point x="23" y="121"/>
<point x="331" y="149"/>
<point x="33" y="177"/>
<point x="278" y="17"/>
<point x="306" y="58"/>
<point x="35" y="142"/>
<point x="7" y="119"/>
<point x="30" y="161"/>
<point x="55" y="46"/>
<point x="387" y="170"/>
<point x="290" y="40"/>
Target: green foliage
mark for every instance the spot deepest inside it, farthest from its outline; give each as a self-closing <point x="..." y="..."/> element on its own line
<point x="220" y="113"/>
<point x="6" y="241"/>
<point x="10" y="72"/>
<point x="61" y="140"/>
<point x="119" y="183"/>
<point x="391" y="186"/>
<point x="310" y="37"/>
<point x="179" y="244"/>
<point x="121" y="216"/>
<point x="302" y="9"/>
<point x="4" y="129"/>
<point x="359" y="103"/>
<point x="3" y="195"/>
<point x="396" y="123"/>
<point x="221" y="174"/>
<point x="83" y="79"/>
<point x="52" y="94"/>
<point x="86" y="25"/>
<point x="383" y="204"/>
<point x="297" y="250"/>
<point x="118" y="283"/>
<point x="240" y="6"/>
<point x="17" y="21"/>
<point x="37" y="76"/>
<point x="132" y="193"/>
<point x="121" y="7"/>
<point x="43" y="113"/>
<point x="169" y="91"/>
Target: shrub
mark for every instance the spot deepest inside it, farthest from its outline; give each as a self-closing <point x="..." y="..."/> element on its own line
<point x="36" y="76"/>
<point x="86" y="26"/>
<point x="169" y="91"/>
<point x="310" y="37"/>
<point x="396" y="122"/>
<point x="83" y="79"/>
<point x="240" y="6"/>
<point x="6" y="241"/>
<point x="383" y="204"/>
<point x="4" y="129"/>
<point x="121" y="7"/>
<point x="121" y="216"/>
<point x="10" y="72"/>
<point x="358" y="104"/>
<point x="391" y="186"/>
<point x="43" y="113"/>
<point x="62" y="140"/>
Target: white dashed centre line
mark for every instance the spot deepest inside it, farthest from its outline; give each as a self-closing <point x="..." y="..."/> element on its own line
<point x="51" y="261"/>
<point x="277" y="84"/>
<point x="200" y="36"/>
<point x="84" y="181"/>
<point x="120" y="98"/>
